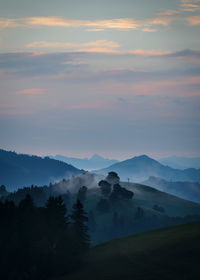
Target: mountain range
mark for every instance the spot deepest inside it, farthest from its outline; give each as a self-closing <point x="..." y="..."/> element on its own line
<point x="181" y="162"/>
<point x="18" y="170"/>
<point x="139" y="168"/>
<point x="95" y="162"/>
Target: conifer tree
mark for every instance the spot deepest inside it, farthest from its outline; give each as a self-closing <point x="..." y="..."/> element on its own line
<point x="79" y="227"/>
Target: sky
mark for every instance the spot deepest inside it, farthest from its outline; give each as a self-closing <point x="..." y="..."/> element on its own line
<point x="117" y="78"/>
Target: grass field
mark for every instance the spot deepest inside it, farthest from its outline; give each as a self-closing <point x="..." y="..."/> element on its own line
<point x="169" y="253"/>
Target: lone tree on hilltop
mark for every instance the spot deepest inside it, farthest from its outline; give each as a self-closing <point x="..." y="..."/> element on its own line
<point x="112" y="178"/>
<point x="105" y="188"/>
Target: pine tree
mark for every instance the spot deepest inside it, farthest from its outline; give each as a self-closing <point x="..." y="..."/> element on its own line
<point x="79" y="228"/>
<point x="56" y="219"/>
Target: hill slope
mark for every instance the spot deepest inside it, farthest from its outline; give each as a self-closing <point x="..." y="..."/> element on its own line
<point x="185" y="190"/>
<point x="148" y="209"/>
<point x="141" y="167"/>
<point x="169" y="253"/>
<point x="18" y="170"/>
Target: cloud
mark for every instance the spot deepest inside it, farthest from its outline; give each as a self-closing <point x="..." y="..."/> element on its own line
<point x="182" y="86"/>
<point x="31" y="91"/>
<point x="190" y="56"/>
<point x="78" y="66"/>
<point x="193" y="20"/>
<point x="148" y="29"/>
<point x="70" y="45"/>
<point x="120" y="23"/>
<point x="190" y="5"/>
<point x="160" y="19"/>
<point x="99" y="46"/>
<point x="163" y="18"/>
<point x="9" y="23"/>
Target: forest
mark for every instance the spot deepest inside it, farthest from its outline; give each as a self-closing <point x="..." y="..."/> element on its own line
<point x="41" y="242"/>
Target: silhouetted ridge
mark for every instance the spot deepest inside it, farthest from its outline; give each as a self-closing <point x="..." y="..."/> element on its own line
<point x="18" y="170"/>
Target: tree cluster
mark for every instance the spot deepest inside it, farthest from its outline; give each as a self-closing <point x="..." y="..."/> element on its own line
<point x="41" y="242"/>
<point x="111" y="188"/>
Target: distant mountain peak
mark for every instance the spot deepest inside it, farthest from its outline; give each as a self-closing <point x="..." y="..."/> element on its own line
<point x="144" y="157"/>
<point x="96" y="157"/>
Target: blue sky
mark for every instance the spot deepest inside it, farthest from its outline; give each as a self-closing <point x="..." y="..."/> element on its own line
<point x="119" y="78"/>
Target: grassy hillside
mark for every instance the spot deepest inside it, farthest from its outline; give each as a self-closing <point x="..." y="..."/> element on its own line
<point x="185" y="190"/>
<point x="174" y="206"/>
<point x="169" y="253"/>
<point x="145" y="198"/>
<point x="121" y="217"/>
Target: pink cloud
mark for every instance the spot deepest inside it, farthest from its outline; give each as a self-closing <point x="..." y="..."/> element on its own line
<point x="171" y="87"/>
<point x="33" y="91"/>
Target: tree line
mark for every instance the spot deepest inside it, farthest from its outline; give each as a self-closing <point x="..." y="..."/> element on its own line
<point x="41" y="242"/>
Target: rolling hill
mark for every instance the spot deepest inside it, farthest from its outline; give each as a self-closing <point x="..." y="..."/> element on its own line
<point x="185" y="190"/>
<point x="168" y="253"/>
<point x="139" y="168"/>
<point x="18" y="170"/>
<point x="149" y="208"/>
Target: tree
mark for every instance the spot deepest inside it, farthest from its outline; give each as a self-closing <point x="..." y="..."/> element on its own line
<point x="3" y="190"/>
<point x="158" y="208"/>
<point x="120" y="193"/>
<point x="105" y="188"/>
<point x="82" y="193"/>
<point x="92" y="222"/>
<point x="139" y="213"/>
<point x="56" y="219"/>
<point x="103" y="206"/>
<point x="112" y="178"/>
<point x="79" y="228"/>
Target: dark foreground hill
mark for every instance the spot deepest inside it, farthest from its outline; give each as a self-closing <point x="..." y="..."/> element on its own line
<point x="18" y="170"/>
<point x="139" y="168"/>
<point x="168" y="253"/>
